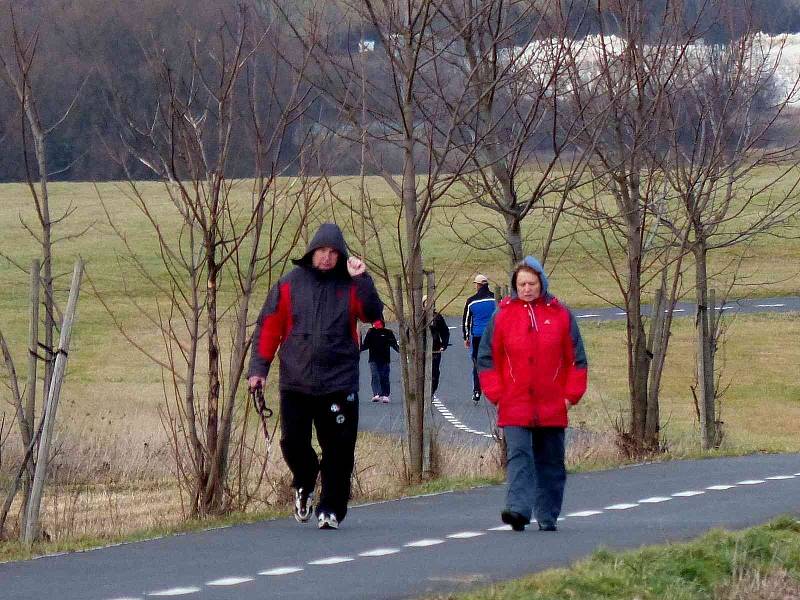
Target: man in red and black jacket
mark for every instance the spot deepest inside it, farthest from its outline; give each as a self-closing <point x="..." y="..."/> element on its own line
<point x="311" y="313"/>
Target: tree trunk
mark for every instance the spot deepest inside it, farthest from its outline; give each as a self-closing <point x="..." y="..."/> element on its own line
<point x="513" y="240"/>
<point x="703" y="337"/>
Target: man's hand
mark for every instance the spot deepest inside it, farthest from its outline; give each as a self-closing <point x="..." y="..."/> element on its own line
<point x="256" y="381"/>
<point x="466" y="343"/>
<point x="356" y="266"/>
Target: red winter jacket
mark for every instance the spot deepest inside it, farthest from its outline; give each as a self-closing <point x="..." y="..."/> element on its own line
<point x="531" y="359"/>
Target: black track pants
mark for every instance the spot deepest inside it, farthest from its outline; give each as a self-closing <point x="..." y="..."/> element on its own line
<point x="335" y="418"/>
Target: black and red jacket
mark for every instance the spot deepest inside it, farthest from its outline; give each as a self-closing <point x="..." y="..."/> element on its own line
<point x="312" y="316"/>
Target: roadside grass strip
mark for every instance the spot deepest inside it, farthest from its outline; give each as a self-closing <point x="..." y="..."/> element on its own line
<point x="719" y="564"/>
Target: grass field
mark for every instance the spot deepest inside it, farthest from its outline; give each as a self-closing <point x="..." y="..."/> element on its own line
<point x="762" y="563"/>
<point x="110" y="403"/>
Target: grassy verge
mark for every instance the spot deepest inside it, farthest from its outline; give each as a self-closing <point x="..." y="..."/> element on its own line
<point x="762" y="563"/>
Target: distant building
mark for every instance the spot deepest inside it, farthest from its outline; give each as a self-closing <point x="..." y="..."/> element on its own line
<point x="366" y="46"/>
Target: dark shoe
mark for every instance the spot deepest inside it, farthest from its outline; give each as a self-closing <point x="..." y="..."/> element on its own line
<point x="327" y="521"/>
<point x="547" y="526"/>
<point x="476" y="397"/>
<point x="303" y="505"/>
<point x="516" y="520"/>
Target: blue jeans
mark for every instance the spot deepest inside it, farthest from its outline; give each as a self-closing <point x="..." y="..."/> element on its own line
<point x="535" y="472"/>
<point x="380" y="378"/>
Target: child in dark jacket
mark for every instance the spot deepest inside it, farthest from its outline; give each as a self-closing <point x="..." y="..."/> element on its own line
<point x="378" y="341"/>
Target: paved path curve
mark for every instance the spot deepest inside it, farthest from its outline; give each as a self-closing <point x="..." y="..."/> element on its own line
<point x="458" y="418"/>
<point x="420" y="545"/>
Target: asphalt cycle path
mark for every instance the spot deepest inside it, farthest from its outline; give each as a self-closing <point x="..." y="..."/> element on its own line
<point x="421" y="545"/>
<point x="457" y="418"/>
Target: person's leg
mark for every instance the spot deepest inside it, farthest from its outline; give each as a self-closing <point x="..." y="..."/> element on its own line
<point x="521" y="486"/>
<point x="476" y="382"/>
<point x="551" y="474"/>
<point x="375" y="371"/>
<point x="385" y="386"/>
<point x="336" y="421"/>
<point x="296" y="416"/>
<point x="436" y="362"/>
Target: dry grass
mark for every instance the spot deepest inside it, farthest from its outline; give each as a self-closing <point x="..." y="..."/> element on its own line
<point x="754" y="585"/>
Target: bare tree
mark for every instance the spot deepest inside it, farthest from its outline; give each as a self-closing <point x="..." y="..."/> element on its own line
<point x="232" y="234"/>
<point x="734" y="173"/>
<point x="510" y="59"/>
<point x="622" y="85"/>
<point x="18" y="68"/>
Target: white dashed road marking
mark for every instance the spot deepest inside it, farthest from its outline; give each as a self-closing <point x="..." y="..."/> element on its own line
<point x="587" y="316"/>
<point x="769" y="305"/>
<point x="448" y="416"/>
<point x="654" y="500"/>
<point x="465" y="535"/>
<point x="423" y="543"/>
<point x="585" y="513"/>
<point x="333" y="560"/>
<point x="229" y="581"/>
<point x="687" y="494"/>
<point x="500" y="528"/>
<point x="281" y="571"/>
<point x="178" y="591"/>
<point x="778" y="477"/>
<point x="720" y="487"/>
<point x="750" y="482"/>
<point x="379" y="552"/>
<point x="621" y="506"/>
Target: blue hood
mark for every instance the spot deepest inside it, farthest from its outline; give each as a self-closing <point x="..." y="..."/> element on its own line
<point x="536" y="266"/>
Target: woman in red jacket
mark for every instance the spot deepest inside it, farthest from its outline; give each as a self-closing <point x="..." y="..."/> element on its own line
<point x="532" y="365"/>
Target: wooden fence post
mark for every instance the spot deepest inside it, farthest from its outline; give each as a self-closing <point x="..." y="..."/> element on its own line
<point x="59" y="371"/>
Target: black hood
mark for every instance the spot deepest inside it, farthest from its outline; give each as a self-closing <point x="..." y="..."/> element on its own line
<point x="329" y="235"/>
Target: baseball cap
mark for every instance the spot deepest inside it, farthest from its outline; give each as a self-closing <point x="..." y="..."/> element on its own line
<point x="480" y="279"/>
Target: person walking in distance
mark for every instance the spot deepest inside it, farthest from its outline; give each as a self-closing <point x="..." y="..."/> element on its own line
<point x="440" y="335"/>
<point x="378" y="341"/>
<point x="477" y="311"/>
<point x="532" y="365"/>
<point x="311" y="313"/>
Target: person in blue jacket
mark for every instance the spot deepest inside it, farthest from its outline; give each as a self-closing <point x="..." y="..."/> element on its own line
<point x="478" y="309"/>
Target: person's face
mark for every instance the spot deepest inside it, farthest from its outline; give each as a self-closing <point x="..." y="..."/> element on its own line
<point x="324" y="258"/>
<point x="529" y="288"/>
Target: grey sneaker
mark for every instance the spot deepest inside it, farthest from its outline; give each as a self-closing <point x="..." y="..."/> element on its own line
<point x="328" y="521"/>
<point x="303" y="505"/>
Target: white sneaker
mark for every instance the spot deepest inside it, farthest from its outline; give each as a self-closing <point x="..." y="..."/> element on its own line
<point x="376" y="398"/>
<point x="385" y="399"/>
<point x="303" y="505"/>
<point x="435" y="396"/>
<point x="328" y="521"/>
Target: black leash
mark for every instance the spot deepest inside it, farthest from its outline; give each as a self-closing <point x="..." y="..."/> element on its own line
<point x="264" y="411"/>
